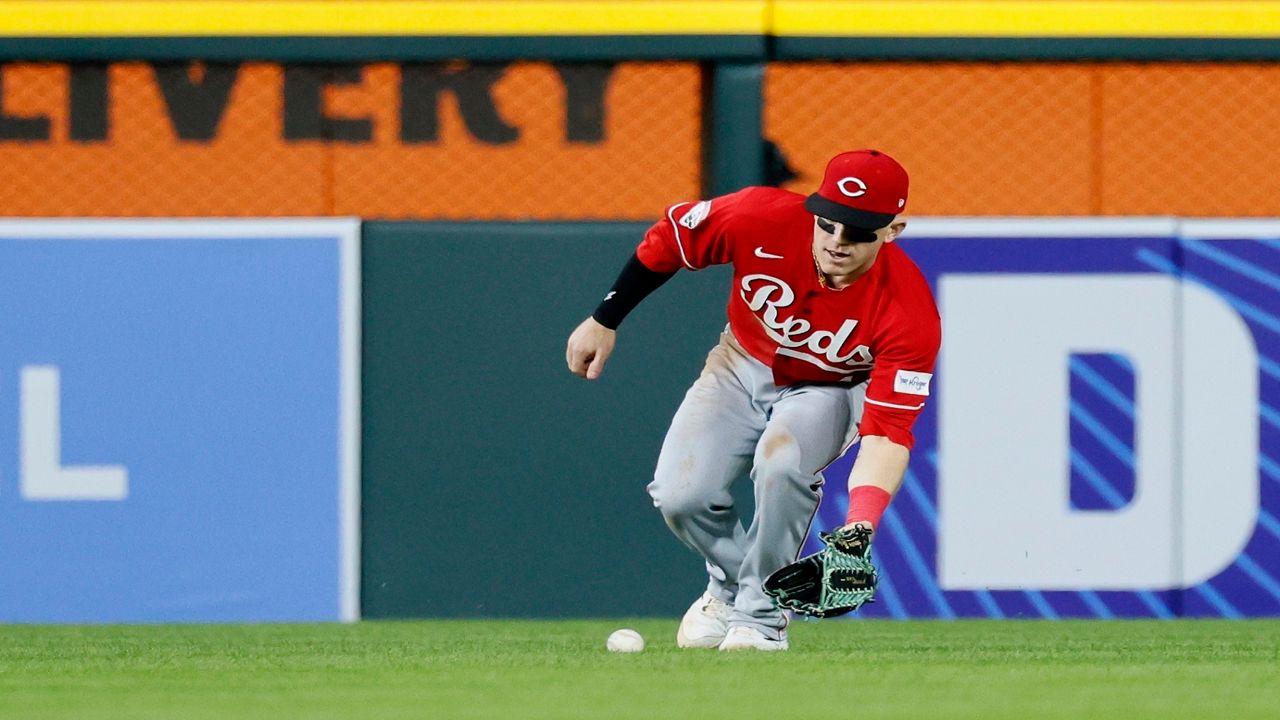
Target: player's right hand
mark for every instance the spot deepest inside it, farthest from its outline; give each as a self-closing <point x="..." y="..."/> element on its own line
<point x="590" y="345"/>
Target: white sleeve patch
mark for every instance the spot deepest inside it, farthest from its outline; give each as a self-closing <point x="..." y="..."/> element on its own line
<point x="912" y="383"/>
<point x="696" y="214"/>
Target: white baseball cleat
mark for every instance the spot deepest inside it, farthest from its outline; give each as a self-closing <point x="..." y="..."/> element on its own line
<point x="704" y="624"/>
<point x="745" y="637"/>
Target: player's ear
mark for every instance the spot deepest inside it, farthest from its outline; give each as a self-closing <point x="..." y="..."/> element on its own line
<point x="895" y="229"/>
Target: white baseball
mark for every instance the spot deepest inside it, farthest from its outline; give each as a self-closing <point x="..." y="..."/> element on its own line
<point x="625" y="640"/>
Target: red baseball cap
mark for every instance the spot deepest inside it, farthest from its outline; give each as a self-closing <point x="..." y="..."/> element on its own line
<point x="861" y="188"/>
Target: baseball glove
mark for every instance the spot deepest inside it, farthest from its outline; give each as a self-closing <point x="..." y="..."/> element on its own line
<point x="833" y="581"/>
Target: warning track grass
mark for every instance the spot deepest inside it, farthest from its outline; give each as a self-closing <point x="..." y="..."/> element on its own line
<point x="558" y="669"/>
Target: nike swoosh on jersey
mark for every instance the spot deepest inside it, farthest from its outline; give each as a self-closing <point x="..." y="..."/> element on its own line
<point x="760" y="253"/>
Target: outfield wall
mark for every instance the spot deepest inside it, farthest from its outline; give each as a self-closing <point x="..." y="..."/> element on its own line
<point x="1105" y="422"/>
<point x="495" y="482"/>
<point x="485" y="139"/>
<point x="1101" y="441"/>
<point x="180" y="414"/>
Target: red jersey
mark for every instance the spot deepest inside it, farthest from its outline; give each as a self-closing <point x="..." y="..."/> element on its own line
<point x="884" y="326"/>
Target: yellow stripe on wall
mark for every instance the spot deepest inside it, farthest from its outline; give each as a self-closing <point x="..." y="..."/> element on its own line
<point x="1027" y="18"/>
<point x="109" y="18"/>
<point x="852" y="18"/>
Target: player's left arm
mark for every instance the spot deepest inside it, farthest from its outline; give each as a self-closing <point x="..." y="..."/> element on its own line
<point x="881" y="464"/>
<point x="899" y="389"/>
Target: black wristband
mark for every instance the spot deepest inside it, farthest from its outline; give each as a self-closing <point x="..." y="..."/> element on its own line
<point x="634" y="284"/>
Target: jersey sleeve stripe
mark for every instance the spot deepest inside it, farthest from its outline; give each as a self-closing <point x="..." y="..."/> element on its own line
<point x="675" y="226"/>
<point x="896" y="407"/>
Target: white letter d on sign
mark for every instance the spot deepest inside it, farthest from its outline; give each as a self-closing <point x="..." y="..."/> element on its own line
<point x="1005" y="518"/>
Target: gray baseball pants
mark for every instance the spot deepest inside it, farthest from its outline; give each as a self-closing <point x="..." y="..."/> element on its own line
<point x="735" y="422"/>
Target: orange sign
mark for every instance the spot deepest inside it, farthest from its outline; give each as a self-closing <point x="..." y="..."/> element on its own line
<point x="1186" y="139"/>
<point x="426" y="141"/>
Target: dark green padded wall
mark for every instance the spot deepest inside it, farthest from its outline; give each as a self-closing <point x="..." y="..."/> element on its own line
<point x="494" y="482"/>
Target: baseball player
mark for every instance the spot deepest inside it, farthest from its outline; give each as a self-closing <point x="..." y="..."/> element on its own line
<point x="831" y="340"/>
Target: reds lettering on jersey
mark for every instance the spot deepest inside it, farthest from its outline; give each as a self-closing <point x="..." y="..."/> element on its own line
<point x="883" y="327"/>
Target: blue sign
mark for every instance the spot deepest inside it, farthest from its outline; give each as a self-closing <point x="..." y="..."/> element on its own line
<point x="178" y="421"/>
<point x="1103" y="438"/>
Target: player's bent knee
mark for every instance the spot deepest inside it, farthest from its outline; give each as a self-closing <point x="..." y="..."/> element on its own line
<point x="679" y="503"/>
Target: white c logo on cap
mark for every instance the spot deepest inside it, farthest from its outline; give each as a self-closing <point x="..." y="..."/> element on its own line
<point x="862" y="187"/>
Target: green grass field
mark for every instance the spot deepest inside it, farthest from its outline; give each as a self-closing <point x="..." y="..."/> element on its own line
<point x="553" y="669"/>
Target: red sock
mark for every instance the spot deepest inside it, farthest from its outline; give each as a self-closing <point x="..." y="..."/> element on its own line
<point x="866" y="504"/>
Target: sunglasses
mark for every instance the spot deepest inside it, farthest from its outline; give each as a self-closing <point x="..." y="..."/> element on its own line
<point x="851" y="234"/>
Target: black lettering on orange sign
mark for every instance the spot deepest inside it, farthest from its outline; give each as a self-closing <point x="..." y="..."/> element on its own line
<point x="196" y="96"/>
<point x="420" y="90"/>
<point x="89" y="97"/>
<point x="584" y="85"/>
<point x="21" y="127"/>
<point x="304" y="117"/>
